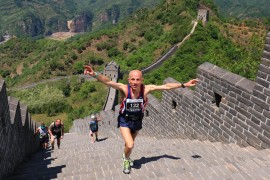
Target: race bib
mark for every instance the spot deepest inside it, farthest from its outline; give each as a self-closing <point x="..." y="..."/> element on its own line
<point x="134" y="105"/>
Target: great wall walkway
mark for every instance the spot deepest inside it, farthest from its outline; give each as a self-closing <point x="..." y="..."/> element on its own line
<point x="170" y="159"/>
<point x="171" y="51"/>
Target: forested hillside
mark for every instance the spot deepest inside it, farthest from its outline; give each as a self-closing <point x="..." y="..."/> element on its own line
<point x="134" y="44"/>
<point x="244" y="8"/>
<point x="43" y="17"/>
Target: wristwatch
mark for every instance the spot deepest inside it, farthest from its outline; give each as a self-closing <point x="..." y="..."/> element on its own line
<point x="183" y="85"/>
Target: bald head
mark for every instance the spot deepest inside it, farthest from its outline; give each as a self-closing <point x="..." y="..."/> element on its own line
<point x="135" y="79"/>
<point x="136" y="73"/>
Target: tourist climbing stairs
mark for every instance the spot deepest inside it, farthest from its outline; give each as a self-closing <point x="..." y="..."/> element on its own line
<point x="80" y="159"/>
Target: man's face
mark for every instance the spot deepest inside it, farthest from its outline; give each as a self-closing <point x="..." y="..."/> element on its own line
<point x="57" y="122"/>
<point x="135" y="79"/>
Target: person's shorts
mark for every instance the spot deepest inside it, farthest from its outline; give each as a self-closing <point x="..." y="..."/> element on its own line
<point x="44" y="139"/>
<point x="132" y="125"/>
<point x="96" y="130"/>
<point x="57" y="136"/>
<point x="91" y="132"/>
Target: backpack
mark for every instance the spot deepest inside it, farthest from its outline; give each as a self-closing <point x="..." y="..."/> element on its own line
<point x="93" y="127"/>
<point x="43" y="133"/>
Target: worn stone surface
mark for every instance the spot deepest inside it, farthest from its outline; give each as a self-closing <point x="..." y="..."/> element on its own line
<point x="153" y="158"/>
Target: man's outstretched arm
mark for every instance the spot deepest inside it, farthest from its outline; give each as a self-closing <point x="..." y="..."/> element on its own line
<point x="103" y="79"/>
<point x="170" y="86"/>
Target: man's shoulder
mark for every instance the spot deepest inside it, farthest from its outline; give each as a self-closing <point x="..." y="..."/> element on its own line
<point x="51" y="125"/>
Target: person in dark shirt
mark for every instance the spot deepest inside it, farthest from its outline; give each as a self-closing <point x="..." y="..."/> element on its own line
<point x="56" y="131"/>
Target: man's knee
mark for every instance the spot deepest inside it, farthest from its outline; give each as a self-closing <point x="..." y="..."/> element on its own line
<point x="130" y="145"/>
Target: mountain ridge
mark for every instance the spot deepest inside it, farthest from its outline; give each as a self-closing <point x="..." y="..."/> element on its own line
<point x="43" y="17"/>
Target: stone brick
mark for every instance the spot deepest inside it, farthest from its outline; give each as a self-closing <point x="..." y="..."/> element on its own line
<point x="241" y="123"/>
<point x="266" y="55"/>
<point x="259" y="95"/>
<point x="217" y="72"/>
<point x="264" y="69"/>
<point x="215" y="117"/>
<point x="267" y="134"/>
<point x="254" y="125"/>
<point x="265" y="127"/>
<point x="258" y="108"/>
<point x="232" y="99"/>
<point x="267" y="38"/>
<point x="232" y="78"/>
<point x="226" y="130"/>
<point x="242" y="112"/>
<point x="236" y="90"/>
<point x="262" y="75"/>
<point x="231" y="105"/>
<point x="238" y="133"/>
<point x="244" y="100"/>
<point x="254" y="138"/>
<point x="233" y="112"/>
<point x="229" y="120"/>
<point x="232" y="94"/>
<point x="246" y="85"/>
<point x="259" y="116"/>
<point x="264" y="139"/>
<point x="253" y="131"/>
<point x="259" y="87"/>
<point x="260" y="103"/>
<point x="228" y="115"/>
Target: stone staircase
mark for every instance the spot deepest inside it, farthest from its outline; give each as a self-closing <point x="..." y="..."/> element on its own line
<point x="154" y="158"/>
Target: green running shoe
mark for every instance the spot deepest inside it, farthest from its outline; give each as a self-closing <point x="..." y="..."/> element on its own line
<point x="126" y="167"/>
<point x="131" y="162"/>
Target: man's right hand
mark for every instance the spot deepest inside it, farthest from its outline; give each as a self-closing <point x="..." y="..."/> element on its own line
<point x="88" y="70"/>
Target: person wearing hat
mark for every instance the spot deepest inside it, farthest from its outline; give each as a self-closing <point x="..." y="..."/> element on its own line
<point x="93" y="126"/>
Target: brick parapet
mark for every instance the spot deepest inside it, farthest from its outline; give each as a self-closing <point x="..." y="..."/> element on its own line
<point x="16" y="132"/>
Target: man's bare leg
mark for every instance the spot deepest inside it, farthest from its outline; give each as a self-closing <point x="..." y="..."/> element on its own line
<point x="58" y="142"/>
<point x="96" y="136"/>
<point x="129" y="139"/>
<point x="52" y="143"/>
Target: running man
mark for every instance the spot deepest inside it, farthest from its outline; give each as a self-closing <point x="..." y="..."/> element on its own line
<point x="132" y="107"/>
<point x="56" y="130"/>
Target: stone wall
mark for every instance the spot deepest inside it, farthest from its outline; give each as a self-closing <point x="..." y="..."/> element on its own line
<point x="160" y="60"/>
<point x="223" y="107"/>
<point x="16" y="132"/>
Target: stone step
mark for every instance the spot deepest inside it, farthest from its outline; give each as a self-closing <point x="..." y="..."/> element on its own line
<point x="78" y="158"/>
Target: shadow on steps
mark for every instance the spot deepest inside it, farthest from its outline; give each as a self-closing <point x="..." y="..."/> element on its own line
<point x="143" y="160"/>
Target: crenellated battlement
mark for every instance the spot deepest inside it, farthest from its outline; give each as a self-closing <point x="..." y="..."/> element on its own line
<point x="224" y="107"/>
<point x="16" y="132"/>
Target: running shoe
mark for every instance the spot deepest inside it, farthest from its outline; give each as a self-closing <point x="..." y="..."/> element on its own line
<point x="126" y="167"/>
<point x="131" y="162"/>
